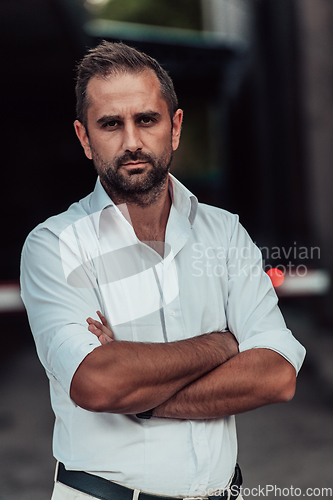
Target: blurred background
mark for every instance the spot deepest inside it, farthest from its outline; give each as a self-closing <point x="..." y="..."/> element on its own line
<point x="255" y="81"/>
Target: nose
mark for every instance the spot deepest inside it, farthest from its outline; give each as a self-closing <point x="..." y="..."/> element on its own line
<point x="131" y="139"/>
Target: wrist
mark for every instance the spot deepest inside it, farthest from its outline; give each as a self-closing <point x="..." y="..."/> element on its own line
<point x="229" y="345"/>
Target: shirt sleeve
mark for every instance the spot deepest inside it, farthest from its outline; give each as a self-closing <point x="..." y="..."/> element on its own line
<point x="57" y="310"/>
<point x="253" y="313"/>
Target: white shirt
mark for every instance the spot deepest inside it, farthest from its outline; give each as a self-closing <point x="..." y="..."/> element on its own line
<point x="210" y="279"/>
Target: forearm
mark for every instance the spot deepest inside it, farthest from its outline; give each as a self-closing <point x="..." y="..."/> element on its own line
<point x="130" y="377"/>
<point x="251" y="379"/>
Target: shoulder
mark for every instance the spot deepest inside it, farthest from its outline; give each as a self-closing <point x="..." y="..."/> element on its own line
<point x="215" y="217"/>
<point x="223" y="227"/>
<point x="46" y="235"/>
<point x="57" y="223"/>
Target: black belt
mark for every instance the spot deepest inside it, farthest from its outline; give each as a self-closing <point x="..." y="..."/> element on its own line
<point x="99" y="487"/>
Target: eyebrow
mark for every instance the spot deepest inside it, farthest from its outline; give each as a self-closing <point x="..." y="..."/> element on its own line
<point x="152" y="114"/>
<point x="110" y="118"/>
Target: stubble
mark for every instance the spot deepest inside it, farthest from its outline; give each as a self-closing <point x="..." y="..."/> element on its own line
<point x="137" y="186"/>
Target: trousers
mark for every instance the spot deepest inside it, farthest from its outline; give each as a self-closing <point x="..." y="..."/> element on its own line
<point x="63" y="492"/>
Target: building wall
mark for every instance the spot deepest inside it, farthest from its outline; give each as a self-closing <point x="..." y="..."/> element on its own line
<point x="316" y="48"/>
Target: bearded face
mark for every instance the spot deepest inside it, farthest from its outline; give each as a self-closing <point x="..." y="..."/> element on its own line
<point x="140" y="185"/>
<point x="130" y="136"/>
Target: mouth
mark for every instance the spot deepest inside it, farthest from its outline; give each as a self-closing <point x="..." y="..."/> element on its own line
<point x="134" y="164"/>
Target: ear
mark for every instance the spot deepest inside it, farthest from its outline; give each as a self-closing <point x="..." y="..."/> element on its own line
<point x="81" y="132"/>
<point x="177" y="127"/>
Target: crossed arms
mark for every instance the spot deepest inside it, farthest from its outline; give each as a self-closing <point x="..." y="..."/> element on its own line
<point x="197" y="378"/>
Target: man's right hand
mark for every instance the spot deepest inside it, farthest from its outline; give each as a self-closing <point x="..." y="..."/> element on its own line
<point x="105" y="335"/>
<point x="101" y="329"/>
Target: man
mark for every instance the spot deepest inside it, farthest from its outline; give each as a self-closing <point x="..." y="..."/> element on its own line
<point x="146" y="405"/>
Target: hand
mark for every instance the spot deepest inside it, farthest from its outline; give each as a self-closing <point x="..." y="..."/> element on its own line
<point x="101" y="330"/>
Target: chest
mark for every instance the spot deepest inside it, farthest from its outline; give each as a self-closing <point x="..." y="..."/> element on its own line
<point x="153" y="238"/>
<point x="173" y="298"/>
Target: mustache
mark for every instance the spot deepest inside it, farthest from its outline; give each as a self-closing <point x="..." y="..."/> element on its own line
<point x="133" y="156"/>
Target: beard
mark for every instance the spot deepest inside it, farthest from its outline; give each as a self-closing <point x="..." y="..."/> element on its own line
<point x="139" y="186"/>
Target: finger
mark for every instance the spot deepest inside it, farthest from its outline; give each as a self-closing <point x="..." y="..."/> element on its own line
<point x="100" y="329"/>
<point x="103" y="319"/>
<point x="94" y="330"/>
<point x="95" y="322"/>
<point x="106" y="328"/>
<point x="105" y="339"/>
<point x="109" y="337"/>
<point x="99" y="325"/>
<point x="92" y="321"/>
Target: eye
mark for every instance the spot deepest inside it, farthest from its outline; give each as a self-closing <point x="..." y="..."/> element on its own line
<point x="146" y="120"/>
<point x="110" y="124"/>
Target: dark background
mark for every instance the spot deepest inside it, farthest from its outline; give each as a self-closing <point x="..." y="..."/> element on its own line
<point x="257" y="140"/>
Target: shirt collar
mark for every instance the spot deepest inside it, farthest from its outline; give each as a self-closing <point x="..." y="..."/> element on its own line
<point x="182" y="199"/>
<point x="98" y="202"/>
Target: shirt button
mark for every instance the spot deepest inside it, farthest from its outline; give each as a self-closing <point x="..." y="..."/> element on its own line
<point x="171" y="312"/>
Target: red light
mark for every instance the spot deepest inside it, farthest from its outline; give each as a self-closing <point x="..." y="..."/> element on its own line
<point x="277" y="277"/>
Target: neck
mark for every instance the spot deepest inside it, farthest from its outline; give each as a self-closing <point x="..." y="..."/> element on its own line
<point x="148" y="216"/>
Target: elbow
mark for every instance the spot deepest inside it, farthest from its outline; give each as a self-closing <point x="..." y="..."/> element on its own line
<point x="87" y="395"/>
<point x="96" y="398"/>
<point x="94" y="389"/>
<point x="289" y="392"/>
<point x="287" y="386"/>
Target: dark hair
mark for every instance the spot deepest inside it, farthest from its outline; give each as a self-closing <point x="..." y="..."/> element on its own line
<point x="114" y="58"/>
